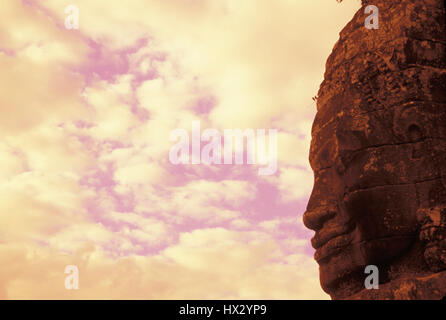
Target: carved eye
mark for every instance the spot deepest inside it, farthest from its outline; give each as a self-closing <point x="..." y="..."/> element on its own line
<point x="415" y="133"/>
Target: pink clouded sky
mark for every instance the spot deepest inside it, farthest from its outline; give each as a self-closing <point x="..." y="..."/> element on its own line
<point x="84" y="148"/>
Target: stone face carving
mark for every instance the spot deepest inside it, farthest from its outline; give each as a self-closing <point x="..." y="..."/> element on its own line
<point x="378" y="152"/>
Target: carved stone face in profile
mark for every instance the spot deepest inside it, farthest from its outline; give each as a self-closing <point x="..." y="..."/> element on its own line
<point x="378" y="149"/>
<point x="372" y="173"/>
<point x="376" y="163"/>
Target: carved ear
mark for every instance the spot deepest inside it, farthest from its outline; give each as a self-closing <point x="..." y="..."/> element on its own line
<point x="433" y="234"/>
<point x="414" y="121"/>
<point x="409" y="123"/>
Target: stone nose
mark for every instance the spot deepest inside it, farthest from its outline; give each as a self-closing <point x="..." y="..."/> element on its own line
<point x="314" y="219"/>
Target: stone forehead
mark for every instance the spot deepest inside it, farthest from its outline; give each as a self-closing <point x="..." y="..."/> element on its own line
<point x="403" y="128"/>
<point x="400" y="124"/>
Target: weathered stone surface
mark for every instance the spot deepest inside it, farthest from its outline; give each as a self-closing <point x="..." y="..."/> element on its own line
<point x="378" y="153"/>
<point x="429" y="287"/>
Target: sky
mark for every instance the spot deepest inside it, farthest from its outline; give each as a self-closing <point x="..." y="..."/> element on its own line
<point x="86" y="116"/>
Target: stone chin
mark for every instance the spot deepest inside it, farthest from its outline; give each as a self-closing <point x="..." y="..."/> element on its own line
<point x="342" y="270"/>
<point x="369" y="227"/>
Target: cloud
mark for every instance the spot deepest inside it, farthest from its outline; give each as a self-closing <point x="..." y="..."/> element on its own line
<point x="86" y="118"/>
<point x="36" y="205"/>
<point x="253" y="268"/>
<point x="290" y="190"/>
